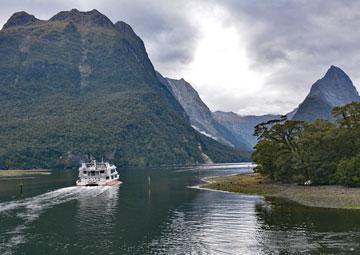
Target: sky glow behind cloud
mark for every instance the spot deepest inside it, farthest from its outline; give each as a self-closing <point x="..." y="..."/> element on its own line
<point x="250" y="57"/>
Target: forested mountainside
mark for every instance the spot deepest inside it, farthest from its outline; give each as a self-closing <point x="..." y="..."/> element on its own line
<point x="78" y="85"/>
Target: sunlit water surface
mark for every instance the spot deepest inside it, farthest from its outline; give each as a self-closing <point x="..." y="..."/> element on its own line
<point x="166" y="215"/>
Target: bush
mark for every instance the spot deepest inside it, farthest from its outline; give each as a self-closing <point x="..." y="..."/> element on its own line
<point x="348" y="171"/>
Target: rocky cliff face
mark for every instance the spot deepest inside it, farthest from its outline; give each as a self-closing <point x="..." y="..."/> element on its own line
<point x="200" y="116"/>
<point x="78" y="84"/>
<point x="334" y="89"/>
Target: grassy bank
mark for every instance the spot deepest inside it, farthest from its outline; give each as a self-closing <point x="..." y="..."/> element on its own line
<point x="315" y="196"/>
<point x="20" y="172"/>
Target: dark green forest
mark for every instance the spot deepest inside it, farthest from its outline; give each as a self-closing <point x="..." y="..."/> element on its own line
<point x="321" y="152"/>
<point x="79" y="85"/>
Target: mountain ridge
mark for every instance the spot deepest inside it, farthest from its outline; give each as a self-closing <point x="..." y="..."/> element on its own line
<point x="76" y="85"/>
<point x="243" y="124"/>
<point x="334" y="89"/>
<point x="200" y="116"/>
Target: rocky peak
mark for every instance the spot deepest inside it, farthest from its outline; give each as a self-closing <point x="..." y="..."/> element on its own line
<point x="124" y="28"/>
<point x="335" y="72"/>
<point x="20" y="19"/>
<point x="127" y="32"/>
<point x="90" y="18"/>
<point x="336" y="87"/>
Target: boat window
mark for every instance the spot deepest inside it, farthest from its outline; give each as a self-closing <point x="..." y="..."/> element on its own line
<point x="107" y="177"/>
<point x="92" y="173"/>
<point x="102" y="171"/>
<point x="85" y="172"/>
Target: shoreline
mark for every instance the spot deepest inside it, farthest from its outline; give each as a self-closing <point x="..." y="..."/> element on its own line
<point x="337" y="197"/>
<point x="23" y="172"/>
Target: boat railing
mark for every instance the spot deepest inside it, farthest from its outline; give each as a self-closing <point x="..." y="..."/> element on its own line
<point x="97" y="165"/>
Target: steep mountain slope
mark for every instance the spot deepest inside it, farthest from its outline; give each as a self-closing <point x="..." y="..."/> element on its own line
<point x="291" y="114"/>
<point x="242" y="125"/>
<point x="334" y="89"/>
<point x="78" y="84"/>
<point x="200" y="116"/>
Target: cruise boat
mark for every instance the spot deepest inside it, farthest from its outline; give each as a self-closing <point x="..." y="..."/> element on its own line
<point x="97" y="174"/>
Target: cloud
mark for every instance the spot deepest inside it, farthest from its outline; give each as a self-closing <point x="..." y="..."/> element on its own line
<point x="42" y="9"/>
<point x="289" y="44"/>
<point x="297" y="41"/>
<point x="166" y="26"/>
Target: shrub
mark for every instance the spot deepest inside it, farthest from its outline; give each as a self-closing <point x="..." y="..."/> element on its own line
<point x="348" y="171"/>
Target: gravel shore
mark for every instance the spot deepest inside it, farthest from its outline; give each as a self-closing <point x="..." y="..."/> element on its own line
<point x="20" y="172"/>
<point x="315" y="196"/>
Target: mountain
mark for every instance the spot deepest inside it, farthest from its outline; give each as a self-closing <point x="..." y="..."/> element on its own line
<point x="200" y="116"/>
<point x="242" y="125"/>
<point x="334" y="89"/>
<point x="78" y="85"/>
<point x="290" y="115"/>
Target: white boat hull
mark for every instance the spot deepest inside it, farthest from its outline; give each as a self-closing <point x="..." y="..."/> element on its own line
<point x="107" y="183"/>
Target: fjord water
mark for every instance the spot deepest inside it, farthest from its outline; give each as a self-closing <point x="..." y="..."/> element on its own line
<point x="167" y="214"/>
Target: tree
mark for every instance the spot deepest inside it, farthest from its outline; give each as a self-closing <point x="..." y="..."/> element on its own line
<point x="319" y="152"/>
<point x="348" y="116"/>
<point x="278" y="148"/>
<point x="348" y="171"/>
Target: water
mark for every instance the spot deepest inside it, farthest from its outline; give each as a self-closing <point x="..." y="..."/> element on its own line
<point x="169" y="216"/>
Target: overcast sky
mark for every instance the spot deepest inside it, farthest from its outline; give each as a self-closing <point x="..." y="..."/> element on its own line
<point x="250" y="57"/>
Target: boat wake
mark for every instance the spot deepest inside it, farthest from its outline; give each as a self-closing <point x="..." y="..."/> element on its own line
<point x="27" y="210"/>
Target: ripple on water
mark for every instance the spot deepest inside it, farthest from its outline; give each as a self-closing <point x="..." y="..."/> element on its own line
<point x="24" y="211"/>
<point x="176" y="220"/>
<point x="231" y="224"/>
<point x="201" y="227"/>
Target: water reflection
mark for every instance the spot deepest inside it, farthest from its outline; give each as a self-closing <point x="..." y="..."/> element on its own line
<point x="227" y="226"/>
<point x="292" y="228"/>
<point x="102" y="204"/>
<point x="95" y="219"/>
<point x="17" y="217"/>
<point x="166" y="217"/>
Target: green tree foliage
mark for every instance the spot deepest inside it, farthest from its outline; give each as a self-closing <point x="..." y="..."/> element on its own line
<point x="348" y="116"/>
<point x="348" y="171"/>
<point x="320" y="151"/>
<point x="278" y="149"/>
